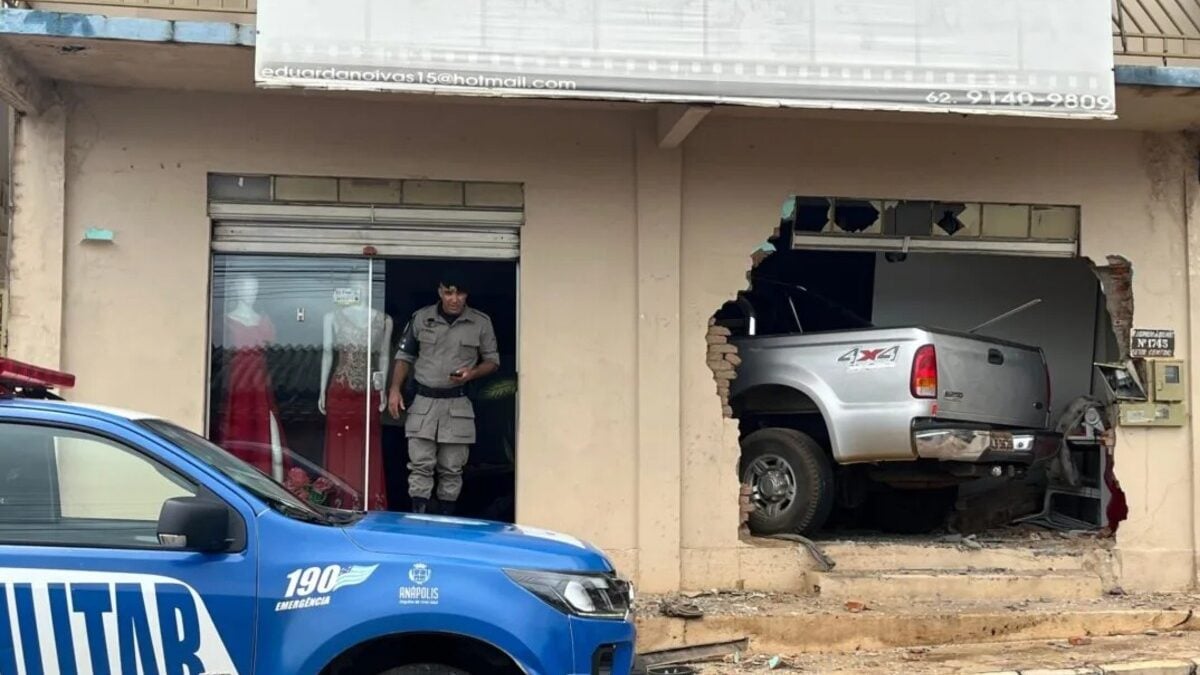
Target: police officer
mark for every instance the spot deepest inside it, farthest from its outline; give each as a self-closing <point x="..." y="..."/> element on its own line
<point x="446" y="345"/>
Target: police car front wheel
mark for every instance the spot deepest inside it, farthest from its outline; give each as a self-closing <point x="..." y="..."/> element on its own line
<point x="424" y="669"/>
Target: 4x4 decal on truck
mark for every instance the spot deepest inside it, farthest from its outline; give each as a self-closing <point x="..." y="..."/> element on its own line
<point x="868" y="358"/>
<point x="323" y="581"/>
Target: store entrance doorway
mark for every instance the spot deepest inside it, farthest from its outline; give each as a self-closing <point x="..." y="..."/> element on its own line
<point x="302" y="349"/>
<point x="489" y="479"/>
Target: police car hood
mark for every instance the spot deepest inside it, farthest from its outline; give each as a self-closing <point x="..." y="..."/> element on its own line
<point x="475" y="541"/>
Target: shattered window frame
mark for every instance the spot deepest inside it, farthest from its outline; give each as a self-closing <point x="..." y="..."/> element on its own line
<point x="917" y="219"/>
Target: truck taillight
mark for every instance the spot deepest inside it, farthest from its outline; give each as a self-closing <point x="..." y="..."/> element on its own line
<point x="924" y="383"/>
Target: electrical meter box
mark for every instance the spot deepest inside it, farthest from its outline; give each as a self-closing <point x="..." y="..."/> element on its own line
<point x="1167" y="376"/>
<point x="1162" y="404"/>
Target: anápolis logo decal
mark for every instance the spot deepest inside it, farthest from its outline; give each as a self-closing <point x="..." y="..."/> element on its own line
<point x="420" y="574"/>
<point x="420" y="593"/>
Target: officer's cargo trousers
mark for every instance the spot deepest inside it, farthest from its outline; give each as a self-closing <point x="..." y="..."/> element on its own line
<point x="424" y="456"/>
<point x="440" y="433"/>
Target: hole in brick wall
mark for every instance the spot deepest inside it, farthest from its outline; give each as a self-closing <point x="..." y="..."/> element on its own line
<point x="843" y="374"/>
<point x="1116" y="283"/>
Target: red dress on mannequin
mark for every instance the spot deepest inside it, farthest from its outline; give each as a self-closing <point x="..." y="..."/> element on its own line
<point x="245" y="420"/>
<point x="346" y="414"/>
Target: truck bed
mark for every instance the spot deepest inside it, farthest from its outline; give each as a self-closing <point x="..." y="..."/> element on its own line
<point x="860" y="379"/>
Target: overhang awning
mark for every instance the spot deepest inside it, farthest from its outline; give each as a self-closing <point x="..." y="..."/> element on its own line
<point x="45" y="47"/>
<point x="128" y="52"/>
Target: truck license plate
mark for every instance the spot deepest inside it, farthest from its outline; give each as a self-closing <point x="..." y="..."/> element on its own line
<point x="1002" y="441"/>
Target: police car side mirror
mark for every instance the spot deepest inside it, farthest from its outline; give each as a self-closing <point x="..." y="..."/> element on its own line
<point x="194" y="524"/>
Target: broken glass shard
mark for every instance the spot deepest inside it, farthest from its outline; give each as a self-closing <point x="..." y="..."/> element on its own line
<point x="949" y="221"/>
<point x="812" y="214"/>
<point x="855" y="215"/>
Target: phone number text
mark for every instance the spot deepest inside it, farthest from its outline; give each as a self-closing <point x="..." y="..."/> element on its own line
<point x="1025" y="99"/>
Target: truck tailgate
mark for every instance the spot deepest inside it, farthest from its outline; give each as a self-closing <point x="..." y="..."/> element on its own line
<point x="996" y="382"/>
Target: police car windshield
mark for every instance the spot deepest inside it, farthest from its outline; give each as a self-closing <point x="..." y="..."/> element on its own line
<point x="245" y="475"/>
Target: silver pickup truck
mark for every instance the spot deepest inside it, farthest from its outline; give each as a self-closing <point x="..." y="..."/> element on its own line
<point x="897" y="416"/>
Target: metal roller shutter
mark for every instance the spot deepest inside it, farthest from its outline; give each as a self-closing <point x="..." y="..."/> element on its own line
<point x="292" y="229"/>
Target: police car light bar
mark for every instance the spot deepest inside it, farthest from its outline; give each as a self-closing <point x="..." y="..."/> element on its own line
<point x="17" y="375"/>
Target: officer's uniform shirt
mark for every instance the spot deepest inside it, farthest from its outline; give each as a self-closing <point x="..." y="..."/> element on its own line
<point x="436" y="347"/>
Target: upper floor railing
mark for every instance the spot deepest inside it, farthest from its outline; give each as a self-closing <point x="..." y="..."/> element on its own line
<point x="1143" y="30"/>
<point x="1163" y="30"/>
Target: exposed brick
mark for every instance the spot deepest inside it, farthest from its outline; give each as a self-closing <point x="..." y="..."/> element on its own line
<point x="745" y="506"/>
<point x="1117" y="282"/>
<point x="734" y="359"/>
<point x="721" y="366"/>
<point x="719" y="330"/>
<point x="716" y="339"/>
<point x="725" y="375"/>
<point x="722" y="349"/>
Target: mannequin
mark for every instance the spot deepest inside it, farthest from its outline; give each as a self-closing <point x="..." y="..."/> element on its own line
<point x="249" y="415"/>
<point x="345" y="386"/>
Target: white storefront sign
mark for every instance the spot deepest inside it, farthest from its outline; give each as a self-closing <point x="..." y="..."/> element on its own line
<point x="1013" y="57"/>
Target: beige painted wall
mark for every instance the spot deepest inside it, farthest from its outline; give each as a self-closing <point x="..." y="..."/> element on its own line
<point x="626" y="253"/>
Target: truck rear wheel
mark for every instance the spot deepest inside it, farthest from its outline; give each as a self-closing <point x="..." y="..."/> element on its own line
<point x="792" y="481"/>
<point x="424" y="669"/>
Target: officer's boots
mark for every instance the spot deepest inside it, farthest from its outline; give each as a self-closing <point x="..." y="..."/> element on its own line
<point x="420" y="505"/>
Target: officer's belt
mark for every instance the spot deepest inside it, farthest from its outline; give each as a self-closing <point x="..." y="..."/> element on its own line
<point x="430" y="392"/>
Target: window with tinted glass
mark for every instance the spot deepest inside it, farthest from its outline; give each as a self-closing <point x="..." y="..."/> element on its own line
<point x="65" y="487"/>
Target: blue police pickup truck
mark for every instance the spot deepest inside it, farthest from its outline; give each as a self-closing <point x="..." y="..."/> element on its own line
<point x="131" y="545"/>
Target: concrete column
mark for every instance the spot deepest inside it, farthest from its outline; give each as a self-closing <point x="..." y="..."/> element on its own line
<point x="1155" y="466"/>
<point x="659" y="195"/>
<point x="35" y="276"/>
<point x="1191" y="350"/>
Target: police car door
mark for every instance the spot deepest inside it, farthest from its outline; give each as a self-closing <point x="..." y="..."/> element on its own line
<point x="85" y="584"/>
